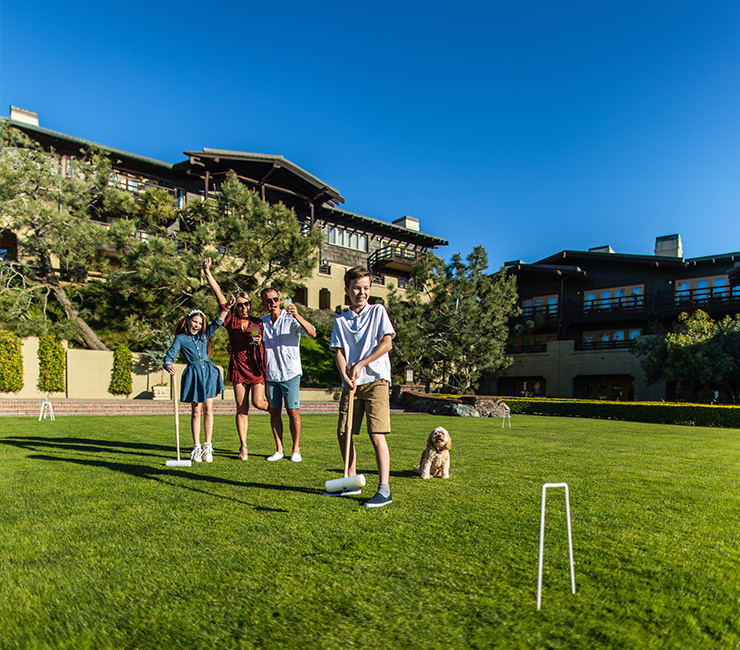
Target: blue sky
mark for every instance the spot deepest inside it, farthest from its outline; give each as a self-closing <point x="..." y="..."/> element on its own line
<point x="527" y="126"/>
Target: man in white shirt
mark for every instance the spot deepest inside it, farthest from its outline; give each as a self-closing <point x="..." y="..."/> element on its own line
<point x="281" y="338"/>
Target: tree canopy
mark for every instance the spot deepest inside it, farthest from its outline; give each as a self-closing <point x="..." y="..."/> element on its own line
<point x="452" y="325"/>
<point x="702" y="356"/>
<point x="143" y="253"/>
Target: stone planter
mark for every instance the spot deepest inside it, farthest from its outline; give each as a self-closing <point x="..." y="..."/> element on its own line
<point x="161" y="392"/>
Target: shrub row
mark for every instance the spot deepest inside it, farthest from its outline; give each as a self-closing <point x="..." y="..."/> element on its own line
<point x="658" y="412"/>
<point x="11" y="363"/>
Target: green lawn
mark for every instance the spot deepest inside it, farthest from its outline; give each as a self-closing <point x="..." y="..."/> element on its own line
<point x="101" y="546"/>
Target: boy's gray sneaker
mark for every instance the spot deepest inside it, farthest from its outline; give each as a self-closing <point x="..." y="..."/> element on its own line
<point x="343" y="493"/>
<point x="378" y="501"/>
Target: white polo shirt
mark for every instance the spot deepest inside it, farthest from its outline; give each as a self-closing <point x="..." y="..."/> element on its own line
<point x="282" y="342"/>
<point x="358" y="335"/>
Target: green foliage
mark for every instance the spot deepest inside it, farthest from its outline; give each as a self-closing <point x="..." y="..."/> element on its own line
<point x="449" y="564"/>
<point x="253" y="244"/>
<point x="453" y="324"/>
<point x="121" y="380"/>
<point x="52" y="364"/>
<point x="656" y="412"/>
<point x="50" y="205"/>
<point x="58" y="209"/>
<point x="701" y="356"/>
<point x="11" y="362"/>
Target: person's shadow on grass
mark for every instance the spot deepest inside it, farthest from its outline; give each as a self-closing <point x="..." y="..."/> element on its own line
<point x="163" y="475"/>
<point x="34" y="443"/>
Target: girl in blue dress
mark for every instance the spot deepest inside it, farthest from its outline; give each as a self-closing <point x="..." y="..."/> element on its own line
<point x="201" y="380"/>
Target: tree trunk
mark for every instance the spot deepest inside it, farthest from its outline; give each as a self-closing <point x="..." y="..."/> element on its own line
<point x="89" y="338"/>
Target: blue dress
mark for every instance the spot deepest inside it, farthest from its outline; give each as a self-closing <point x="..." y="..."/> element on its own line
<point x="201" y="379"/>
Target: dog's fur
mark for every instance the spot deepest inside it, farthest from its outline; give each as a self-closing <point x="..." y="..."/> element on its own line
<point x="435" y="460"/>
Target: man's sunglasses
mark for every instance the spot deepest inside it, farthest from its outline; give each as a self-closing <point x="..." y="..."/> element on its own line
<point x="268" y="300"/>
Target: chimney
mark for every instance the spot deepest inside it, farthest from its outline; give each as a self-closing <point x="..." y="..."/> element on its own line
<point x="669" y="246"/>
<point x="411" y="223"/>
<point x="24" y="116"/>
<point x="601" y="249"/>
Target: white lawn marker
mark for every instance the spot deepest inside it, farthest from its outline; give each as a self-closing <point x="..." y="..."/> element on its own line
<point x="542" y="538"/>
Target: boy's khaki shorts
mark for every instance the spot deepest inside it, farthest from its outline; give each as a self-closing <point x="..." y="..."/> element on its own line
<point x="371" y="399"/>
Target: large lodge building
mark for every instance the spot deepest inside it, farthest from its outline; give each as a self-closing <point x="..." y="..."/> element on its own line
<point x="388" y="249"/>
<point x="584" y="308"/>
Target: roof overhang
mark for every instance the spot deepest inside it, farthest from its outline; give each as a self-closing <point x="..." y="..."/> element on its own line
<point x="263" y="170"/>
<point x="344" y="218"/>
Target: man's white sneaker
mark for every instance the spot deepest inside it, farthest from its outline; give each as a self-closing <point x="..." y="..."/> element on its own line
<point x="276" y="456"/>
<point x="296" y="457"/>
<point x="208" y="453"/>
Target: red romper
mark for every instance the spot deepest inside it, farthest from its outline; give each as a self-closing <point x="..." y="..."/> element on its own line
<point x="247" y="365"/>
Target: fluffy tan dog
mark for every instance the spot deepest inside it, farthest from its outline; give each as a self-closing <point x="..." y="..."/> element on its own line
<point x="435" y="460"/>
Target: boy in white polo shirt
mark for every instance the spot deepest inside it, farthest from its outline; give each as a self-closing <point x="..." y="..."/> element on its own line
<point x="362" y="337"/>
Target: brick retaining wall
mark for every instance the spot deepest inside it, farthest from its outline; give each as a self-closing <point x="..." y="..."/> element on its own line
<point x="32" y="407"/>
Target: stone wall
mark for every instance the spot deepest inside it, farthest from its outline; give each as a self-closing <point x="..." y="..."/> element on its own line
<point x="484" y="406"/>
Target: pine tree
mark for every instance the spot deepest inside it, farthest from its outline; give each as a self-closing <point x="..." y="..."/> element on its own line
<point x="453" y="325"/>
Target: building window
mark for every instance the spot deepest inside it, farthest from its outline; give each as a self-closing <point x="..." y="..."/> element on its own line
<point x="609" y="338"/>
<point x="532" y="343"/>
<point x="702" y="289"/>
<point x="301" y="296"/>
<point x="8" y="246"/>
<point x="354" y="240"/>
<point x="546" y="306"/>
<point x="629" y="297"/>
<point x="324" y="299"/>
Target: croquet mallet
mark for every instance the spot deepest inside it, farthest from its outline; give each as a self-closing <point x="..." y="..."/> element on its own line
<point x="347" y="482"/>
<point x="176" y="400"/>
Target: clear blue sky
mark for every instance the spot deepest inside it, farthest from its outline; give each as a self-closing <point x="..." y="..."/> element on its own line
<point x="527" y="126"/>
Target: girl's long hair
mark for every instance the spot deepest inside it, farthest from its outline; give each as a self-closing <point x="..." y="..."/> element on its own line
<point x="183" y="325"/>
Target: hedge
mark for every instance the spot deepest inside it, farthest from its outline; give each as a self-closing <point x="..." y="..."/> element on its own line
<point x="704" y="415"/>
<point x="52" y="365"/>
<point x="121" y="381"/>
<point x="11" y="363"/>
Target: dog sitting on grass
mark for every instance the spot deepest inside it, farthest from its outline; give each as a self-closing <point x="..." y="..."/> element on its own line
<point x="435" y="460"/>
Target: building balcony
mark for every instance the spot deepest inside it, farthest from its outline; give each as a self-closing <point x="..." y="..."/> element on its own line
<point x="396" y="258"/>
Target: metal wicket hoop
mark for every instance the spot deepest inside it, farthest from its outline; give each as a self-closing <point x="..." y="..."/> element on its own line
<point x="542" y="538"/>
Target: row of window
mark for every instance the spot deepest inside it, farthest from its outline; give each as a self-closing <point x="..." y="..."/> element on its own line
<point x="534" y="341"/>
<point x="702" y="289"/>
<point x="632" y="296"/>
<point x="611" y="336"/>
<point x="540" y="305"/>
<point x="623" y="297"/>
<point x="340" y="237"/>
<point x="136" y="185"/>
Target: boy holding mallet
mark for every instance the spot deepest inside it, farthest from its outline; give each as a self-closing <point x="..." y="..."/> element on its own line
<point x="361" y="338"/>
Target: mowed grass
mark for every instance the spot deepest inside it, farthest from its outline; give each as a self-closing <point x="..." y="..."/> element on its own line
<point x="102" y="546"/>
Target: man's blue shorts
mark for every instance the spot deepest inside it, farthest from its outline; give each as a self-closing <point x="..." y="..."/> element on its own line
<point x="288" y="391"/>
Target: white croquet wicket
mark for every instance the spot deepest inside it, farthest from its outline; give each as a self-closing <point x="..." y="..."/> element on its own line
<point x="507" y="414"/>
<point x="46" y="409"/>
<point x="542" y="538"/>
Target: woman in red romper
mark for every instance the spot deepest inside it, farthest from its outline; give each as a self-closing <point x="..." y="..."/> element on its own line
<point x="246" y="366"/>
